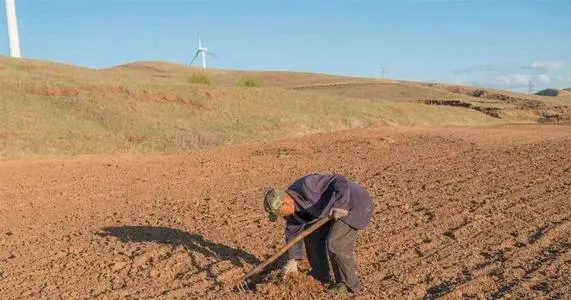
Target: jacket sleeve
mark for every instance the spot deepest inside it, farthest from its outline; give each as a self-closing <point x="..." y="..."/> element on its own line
<point x="341" y="193"/>
<point x="292" y="229"/>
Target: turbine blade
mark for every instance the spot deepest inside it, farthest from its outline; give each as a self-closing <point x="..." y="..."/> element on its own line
<point x="211" y="54"/>
<point x="195" y="56"/>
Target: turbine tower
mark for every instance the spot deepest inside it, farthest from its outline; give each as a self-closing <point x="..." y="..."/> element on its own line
<point x="13" y="35"/>
<point x="202" y="52"/>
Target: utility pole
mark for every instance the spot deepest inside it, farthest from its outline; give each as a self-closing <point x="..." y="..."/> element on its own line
<point x="530" y="90"/>
<point x="13" y="35"/>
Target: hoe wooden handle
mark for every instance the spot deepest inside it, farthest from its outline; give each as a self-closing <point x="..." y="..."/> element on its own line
<point x="297" y="238"/>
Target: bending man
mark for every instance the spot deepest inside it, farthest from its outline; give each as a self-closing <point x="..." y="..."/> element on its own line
<point x="303" y="203"/>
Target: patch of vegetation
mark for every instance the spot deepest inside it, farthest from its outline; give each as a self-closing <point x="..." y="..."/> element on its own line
<point x="548" y="92"/>
<point x="248" y="83"/>
<point x="199" y="78"/>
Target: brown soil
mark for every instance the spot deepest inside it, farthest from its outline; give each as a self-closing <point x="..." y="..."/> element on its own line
<point x="460" y="213"/>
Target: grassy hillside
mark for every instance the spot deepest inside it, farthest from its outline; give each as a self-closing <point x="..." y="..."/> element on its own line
<point x="507" y="105"/>
<point x="50" y="108"/>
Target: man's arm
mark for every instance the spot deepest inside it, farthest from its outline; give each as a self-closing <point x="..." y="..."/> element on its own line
<point x="341" y="194"/>
<point x="292" y="229"/>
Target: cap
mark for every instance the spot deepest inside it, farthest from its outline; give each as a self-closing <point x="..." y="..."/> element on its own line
<point x="273" y="199"/>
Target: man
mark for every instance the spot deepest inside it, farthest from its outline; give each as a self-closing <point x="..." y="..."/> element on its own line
<point x="305" y="201"/>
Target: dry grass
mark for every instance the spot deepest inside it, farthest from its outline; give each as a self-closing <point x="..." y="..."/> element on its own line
<point x="50" y="108"/>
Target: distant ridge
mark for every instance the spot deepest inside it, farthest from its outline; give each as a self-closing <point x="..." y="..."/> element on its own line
<point x="555" y="92"/>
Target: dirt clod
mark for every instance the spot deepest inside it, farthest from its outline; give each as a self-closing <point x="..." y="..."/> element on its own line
<point x="118" y="266"/>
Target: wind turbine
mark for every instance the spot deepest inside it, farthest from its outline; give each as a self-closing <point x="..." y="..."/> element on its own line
<point x="202" y="52"/>
<point x="13" y="35"/>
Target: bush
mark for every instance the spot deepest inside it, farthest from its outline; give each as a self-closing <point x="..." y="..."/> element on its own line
<point x="199" y="78"/>
<point x="249" y="83"/>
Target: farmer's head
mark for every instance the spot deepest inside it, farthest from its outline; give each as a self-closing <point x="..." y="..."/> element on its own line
<point x="278" y="203"/>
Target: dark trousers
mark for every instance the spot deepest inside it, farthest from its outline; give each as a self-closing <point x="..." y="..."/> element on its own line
<point x="336" y="241"/>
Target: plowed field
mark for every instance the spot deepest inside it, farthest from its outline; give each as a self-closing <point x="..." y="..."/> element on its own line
<point x="460" y="212"/>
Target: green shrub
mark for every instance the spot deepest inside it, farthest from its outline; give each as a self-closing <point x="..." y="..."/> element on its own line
<point x="199" y="78"/>
<point x="249" y="83"/>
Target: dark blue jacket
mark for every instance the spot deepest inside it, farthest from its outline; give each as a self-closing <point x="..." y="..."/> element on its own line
<point x="315" y="195"/>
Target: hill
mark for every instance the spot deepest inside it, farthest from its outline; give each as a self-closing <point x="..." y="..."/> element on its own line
<point x="555" y="92"/>
<point x="51" y="108"/>
<point x="506" y="105"/>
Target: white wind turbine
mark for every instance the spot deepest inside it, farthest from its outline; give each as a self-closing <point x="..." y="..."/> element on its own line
<point x="202" y="52"/>
<point x="13" y="35"/>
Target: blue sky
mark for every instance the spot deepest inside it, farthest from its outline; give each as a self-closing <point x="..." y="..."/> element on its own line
<point x="499" y="43"/>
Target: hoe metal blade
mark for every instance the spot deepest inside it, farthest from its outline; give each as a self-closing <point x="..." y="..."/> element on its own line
<point x="242" y="286"/>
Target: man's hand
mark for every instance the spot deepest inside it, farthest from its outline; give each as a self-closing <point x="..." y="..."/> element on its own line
<point x="338" y="213"/>
<point x="290" y="267"/>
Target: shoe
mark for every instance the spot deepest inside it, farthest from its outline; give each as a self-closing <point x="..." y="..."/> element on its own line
<point x="324" y="279"/>
<point x="337" y="288"/>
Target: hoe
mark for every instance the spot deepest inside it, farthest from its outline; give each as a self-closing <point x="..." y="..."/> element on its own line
<point x="242" y="284"/>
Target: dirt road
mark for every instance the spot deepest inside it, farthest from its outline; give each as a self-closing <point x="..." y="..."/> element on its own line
<point x="459" y="213"/>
